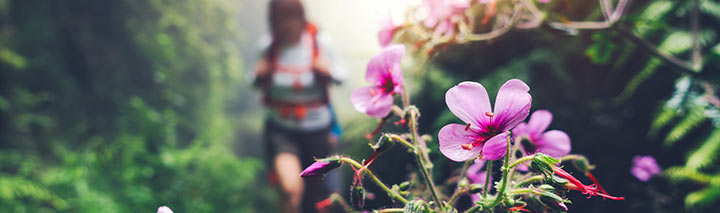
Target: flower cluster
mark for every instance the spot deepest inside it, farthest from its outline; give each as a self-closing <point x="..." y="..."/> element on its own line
<point x="489" y="133"/>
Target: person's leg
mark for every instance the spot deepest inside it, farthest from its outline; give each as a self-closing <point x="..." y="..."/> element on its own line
<point x="287" y="166"/>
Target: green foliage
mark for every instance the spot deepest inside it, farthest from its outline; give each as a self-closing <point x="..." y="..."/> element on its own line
<point x="694" y="118"/>
<point x="126" y="111"/>
<point x="706" y="154"/>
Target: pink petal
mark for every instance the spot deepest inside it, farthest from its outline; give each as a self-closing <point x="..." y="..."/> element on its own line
<point x="539" y="122"/>
<point x="164" y="209"/>
<point x="543" y="1"/>
<point x="381" y="64"/>
<point x="554" y="143"/>
<point x="469" y="101"/>
<point x="495" y="147"/>
<point x="385" y="35"/>
<point x="475" y="174"/>
<point x="451" y="137"/>
<point x="371" y="101"/>
<point x="512" y="104"/>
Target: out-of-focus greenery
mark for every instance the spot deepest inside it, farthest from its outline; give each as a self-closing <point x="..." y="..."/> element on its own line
<point x="123" y="106"/>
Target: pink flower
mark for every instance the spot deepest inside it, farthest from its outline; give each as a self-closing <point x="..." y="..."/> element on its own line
<point x="477" y="175"/>
<point x="554" y="142"/>
<point x="164" y="209"/>
<point x="485" y="129"/>
<point x="386" y="33"/>
<point x="444" y="15"/>
<point x="644" y="167"/>
<point x="385" y="75"/>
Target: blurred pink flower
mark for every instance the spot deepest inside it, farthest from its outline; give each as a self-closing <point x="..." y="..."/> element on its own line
<point x="644" y="167"/>
<point x="444" y="14"/>
<point x="387" y="31"/>
<point x="485" y="129"/>
<point x="554" y="142"/>
<point x="385" y="75"/>
<point x="164" y="209"/>
<point x="477" y="175"/>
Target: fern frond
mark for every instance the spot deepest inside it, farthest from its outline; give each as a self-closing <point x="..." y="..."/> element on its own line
<point x="679" y="174"/>
<point x="653" y="13"/>
<point x="18" y="188"/>
<point x="711" y="8"/>
<point x="661" y="120"/>
<point x="635" y="82"/>
<point x="694" y="117"/>
<point x="707" y="152"/>
<point x="703" y="197"/>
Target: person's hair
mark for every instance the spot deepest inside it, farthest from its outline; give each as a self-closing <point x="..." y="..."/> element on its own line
<point x="279" y="9"/>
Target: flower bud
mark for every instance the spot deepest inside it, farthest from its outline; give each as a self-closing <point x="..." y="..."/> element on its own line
<point x="357" y="196"/>
<point x="582" y="165"/>
<point x="321" y="166"/>
<point x="553" y="201"/>
<point x="463" y="183"/>
<point x="383" y="144"/>
<point x="546" y="187"/>
<point x="475" y="188"/>
<point x="543" y="163"/>
<point x="404" y="186"/>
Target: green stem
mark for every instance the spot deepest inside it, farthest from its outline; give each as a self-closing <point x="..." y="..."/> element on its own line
<point x="487" y="178"/>
<point x="456" y="195"/>
<point x="419" y="157"/>
<point x="521" y="160"/>
<point x="475" y="208"/>
<point x="377" y="181"/>
<point x="392" y="210"/>
<point x="531" y="179"/>
<point x="506" y="170"/>
<point x="523" y="191"/>
<point x="402" y="141"/>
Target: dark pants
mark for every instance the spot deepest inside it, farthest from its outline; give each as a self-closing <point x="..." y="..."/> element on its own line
<point x="307" y="146"/>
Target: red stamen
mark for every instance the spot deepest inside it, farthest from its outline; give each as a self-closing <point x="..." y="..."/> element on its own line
<point x="467" y="146"/>
<point x="467" y="127"/>
<point x="519" y="208"/>
<point x="324" y="203"/>
<point x="489" y="114"/>
<point x="592" y="178"/>
<point x="372" y="93"/>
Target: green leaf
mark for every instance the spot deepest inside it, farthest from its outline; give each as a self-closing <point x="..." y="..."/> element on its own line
<point x="694" y="117"/>
<point x="706" y="154"/>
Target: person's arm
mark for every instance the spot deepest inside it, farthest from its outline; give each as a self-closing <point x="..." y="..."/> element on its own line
<point x="327" y="60"/>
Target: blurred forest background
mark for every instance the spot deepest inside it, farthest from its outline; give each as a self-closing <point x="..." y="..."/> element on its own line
<point x="122" y="106"/>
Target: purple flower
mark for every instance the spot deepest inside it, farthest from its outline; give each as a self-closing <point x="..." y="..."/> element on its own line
<point x="554" y="142"/>
<point x="477" y="175"/>
<point x="644" y="167"/>
<point x="444" y="15"/>
<point x="164" y="209"/>
<point x="321" y="166"/>
<point x="383" y="71"/>
<point x="484" y="131"/>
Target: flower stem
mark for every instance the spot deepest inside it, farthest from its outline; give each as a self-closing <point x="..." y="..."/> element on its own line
<point x="418" y="152"/>
<point x="392" y="210"/>
<point x="487" y="178"/>
<point x="531" y="179"/>
<point x="456" y="195"/>
<point x="377" y="181"/>
<point x="506" y="170"/>
<point x="521" y="160"/>
<point x="402" y="141"/>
